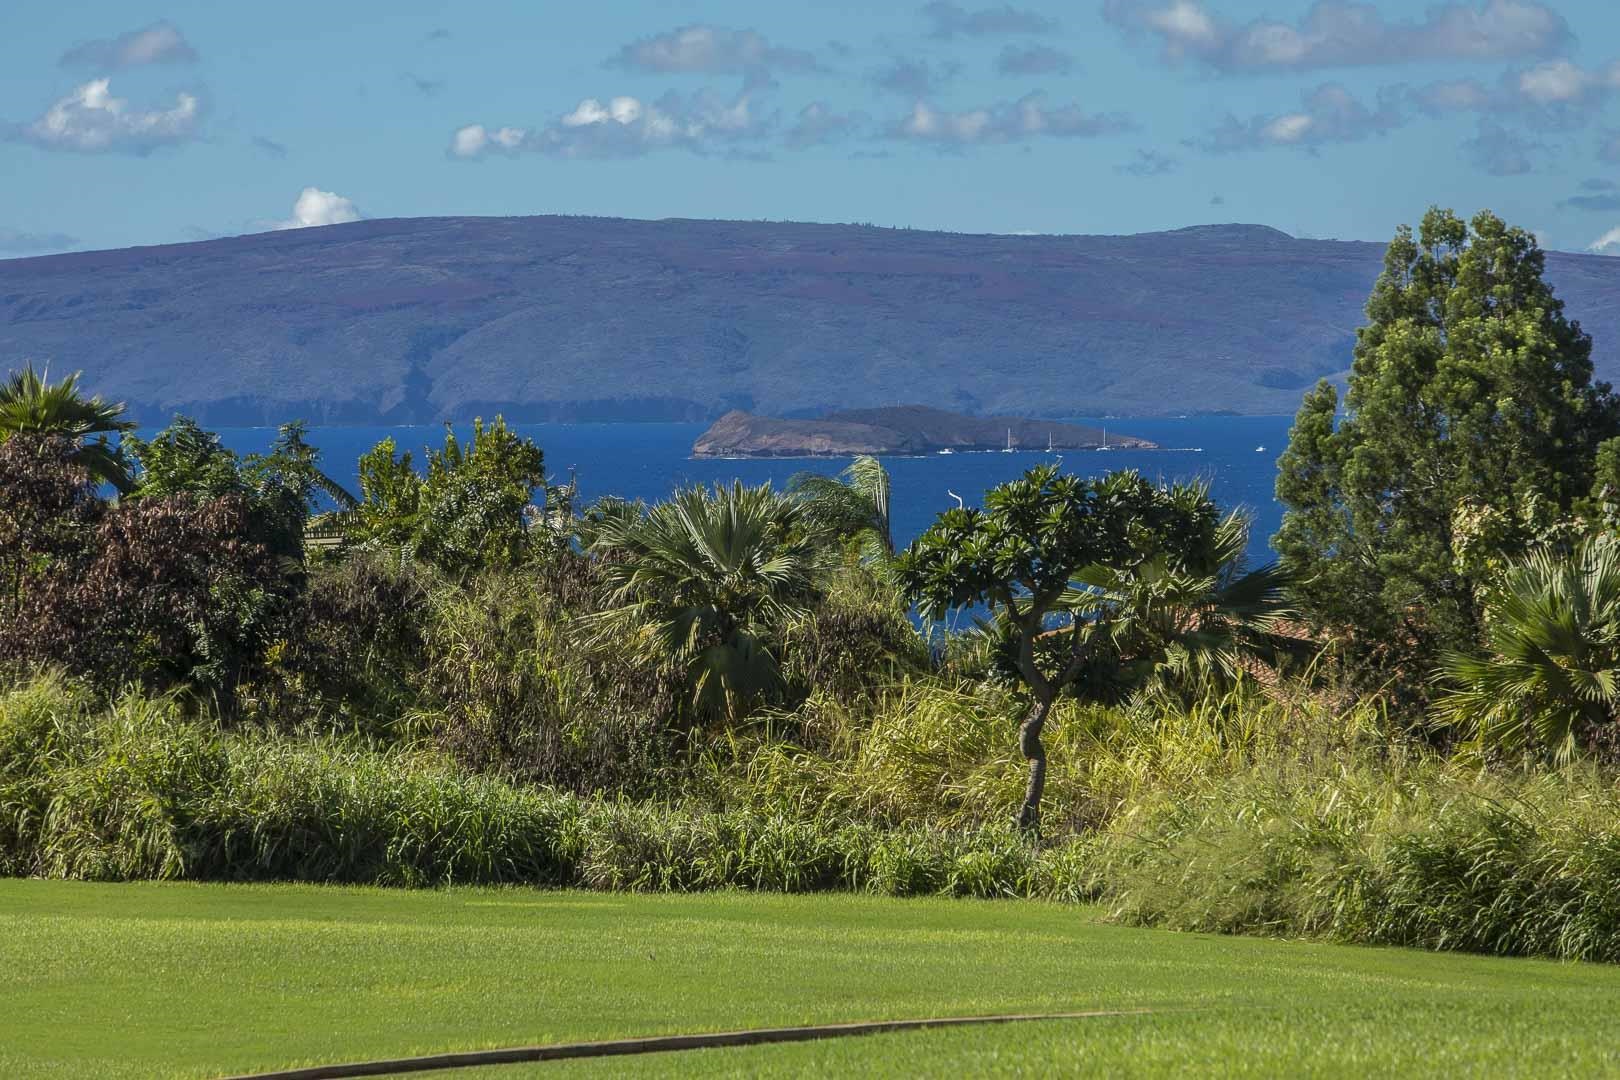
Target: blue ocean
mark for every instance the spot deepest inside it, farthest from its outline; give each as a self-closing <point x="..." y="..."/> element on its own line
<point x="1236" y="454"/>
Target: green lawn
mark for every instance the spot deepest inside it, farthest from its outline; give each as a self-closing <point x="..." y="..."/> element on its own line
<point x="192" y="980"/>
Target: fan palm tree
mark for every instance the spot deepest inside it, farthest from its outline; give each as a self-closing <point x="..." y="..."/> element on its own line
<point x="853" y="504"/>
<point x="29" y="405"/>
<point x="1190" y="619"/>
<point x="1552" y="675"/>
<point x="706" y="580"/>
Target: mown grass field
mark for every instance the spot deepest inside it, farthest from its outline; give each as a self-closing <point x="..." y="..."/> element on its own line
<point x="197" y="980"/>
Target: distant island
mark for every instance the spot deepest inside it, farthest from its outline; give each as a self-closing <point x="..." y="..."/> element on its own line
<point x="415" y="321"/>
<point x="902" y="429"/>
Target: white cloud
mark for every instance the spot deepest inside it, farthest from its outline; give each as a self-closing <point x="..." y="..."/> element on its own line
<point x="160" y="43"/>
<point x="91" y="120"/>
<point x="474" y="140"/>
<point x="1607" y="244"/>
<point x="1559" y="82"/>
<point x="1003" y="122"/>
<point x="625" y="126"/>
<point x="316" y="207"/>
<point x="1329" y="114"/>
<point x="710" y="50"/>
<point x="1344" y="33"/>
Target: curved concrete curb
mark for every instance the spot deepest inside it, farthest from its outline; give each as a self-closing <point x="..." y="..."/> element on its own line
<point x="659" y="1043"/>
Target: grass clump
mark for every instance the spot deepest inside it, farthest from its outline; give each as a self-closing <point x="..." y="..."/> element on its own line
<point x="140" y="790"/>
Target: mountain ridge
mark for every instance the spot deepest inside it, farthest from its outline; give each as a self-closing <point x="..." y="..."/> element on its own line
<point x="414" y="320"/>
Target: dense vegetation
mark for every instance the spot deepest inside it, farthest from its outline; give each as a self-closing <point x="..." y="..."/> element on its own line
<point x="221" y="667"/>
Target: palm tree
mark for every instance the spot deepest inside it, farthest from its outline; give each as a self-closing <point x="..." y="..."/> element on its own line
<point x="1553" y="674"/>
<point x="854" y="504"/>
<point x="1192" y="619"/>
<point x="29" y="405"/>
<point x="706" y="580"/>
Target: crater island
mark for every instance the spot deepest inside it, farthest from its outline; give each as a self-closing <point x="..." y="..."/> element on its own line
<point x="901" y="429"/>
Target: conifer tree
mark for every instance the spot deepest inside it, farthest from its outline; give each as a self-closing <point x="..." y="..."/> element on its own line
<point x="1471" y="422"/>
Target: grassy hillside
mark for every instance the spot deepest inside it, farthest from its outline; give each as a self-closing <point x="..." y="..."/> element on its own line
<point x="143" y="980"/>
<point x="581" y="318"/>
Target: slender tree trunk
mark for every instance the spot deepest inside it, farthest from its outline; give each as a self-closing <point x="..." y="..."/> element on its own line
<point x="1029" y="741"/>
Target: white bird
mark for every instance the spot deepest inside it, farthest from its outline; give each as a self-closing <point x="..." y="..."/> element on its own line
<point x="960" y="505"/>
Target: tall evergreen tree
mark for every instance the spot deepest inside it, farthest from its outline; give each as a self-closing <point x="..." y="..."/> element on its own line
<point x="1470" y="400"/>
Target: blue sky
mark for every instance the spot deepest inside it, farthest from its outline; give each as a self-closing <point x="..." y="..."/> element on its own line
<point x="122" y="125"/>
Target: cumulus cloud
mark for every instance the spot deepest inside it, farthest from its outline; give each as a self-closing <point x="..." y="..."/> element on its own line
<point x="952" y="19"/>
<point x="316" y="207"/>
<point x="916" y="78"/>
<point x="625" y="127"/>
<point x="1556" y="93"/>
<point x="1034" y="60"/>
<point x="17" y="242"/>
<point x="1149" y="163"/>
<point x="160" y="43"/>
<point x="1003" y="122"/>
<point x="475" y="140"/>
<point x="1344" y="33"/>
<point x="91" y="120"/>
<point x="1328" y="114"/>
<point x="1607" y="244"/>
<point x="1496" y="151"/>
<point x="710" y="50"/>
<point x="818" y="124"/>
<point x="1559" y="83"/>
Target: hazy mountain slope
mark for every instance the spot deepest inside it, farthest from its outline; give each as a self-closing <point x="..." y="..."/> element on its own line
<point x="592" y="318"/>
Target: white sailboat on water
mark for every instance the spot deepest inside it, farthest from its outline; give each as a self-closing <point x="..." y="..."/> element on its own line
<point x="1105" y="445"/>
<point x="1009" y="447"/>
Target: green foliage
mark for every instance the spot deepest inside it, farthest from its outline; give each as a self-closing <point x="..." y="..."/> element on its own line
<point x="48" y="504"/>
<point x="390" y="497"/>
<point x="853" y="506"/>
<point x="1430" y="857"/>
<point x="1023" y="555"/>
<point x="138" y="791"/>
<point x="467" y="514"/>
<point x="350" y="651"/>
<point x="856" y="640"/>
<point x="31" y="406"/>
<point x="1549" y="683"/>
<point x="281" y="488"/>
<point x="515" y="682"/>
<point x="1189" y="620"/>
<point x="707" y="581"/>
<point x="1470" y="391"/>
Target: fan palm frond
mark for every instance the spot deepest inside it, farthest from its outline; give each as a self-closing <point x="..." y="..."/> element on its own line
<point x="1552" y="671"/>
<point x="709" y="576"/>
<point x="32" y="405"/>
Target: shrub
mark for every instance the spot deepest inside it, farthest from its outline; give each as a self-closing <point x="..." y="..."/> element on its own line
<point x="352" y="648"/>
<point x="515" y="685"/>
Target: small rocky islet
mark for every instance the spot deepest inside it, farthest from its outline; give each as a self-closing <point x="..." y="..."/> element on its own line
<point x="903" y="429"/>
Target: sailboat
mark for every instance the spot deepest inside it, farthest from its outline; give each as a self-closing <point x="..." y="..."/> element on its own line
<point x="1009" y="448"/>
<point x="1049" y="442"/>
<point x="1105" y="445"/>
